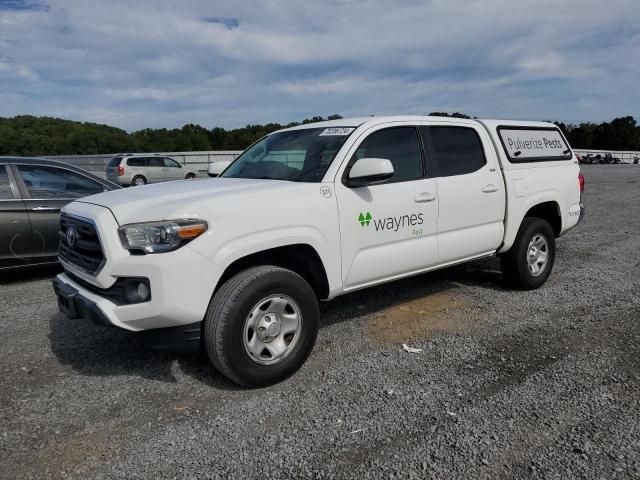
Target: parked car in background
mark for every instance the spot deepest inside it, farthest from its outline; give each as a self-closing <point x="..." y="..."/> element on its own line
<point x="127" y="169"/>
<point x="32" y="192"/>
<point x="216" y="168"/>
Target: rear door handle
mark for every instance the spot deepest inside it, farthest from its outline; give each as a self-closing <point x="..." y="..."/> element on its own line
<point x="44" y="208"/>
<point x="425" y="198"/>
<point x="490" y="189"/>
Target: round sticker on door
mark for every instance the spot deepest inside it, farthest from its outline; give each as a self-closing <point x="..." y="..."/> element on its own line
<point x="326" y="192"/>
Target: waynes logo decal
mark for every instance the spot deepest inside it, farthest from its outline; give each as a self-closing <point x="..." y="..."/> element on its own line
<point x="364" y="219"/>
<point x="391" y="223"/>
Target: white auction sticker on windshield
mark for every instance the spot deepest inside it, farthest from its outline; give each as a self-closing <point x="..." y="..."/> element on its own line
<point x="337" y="131"/>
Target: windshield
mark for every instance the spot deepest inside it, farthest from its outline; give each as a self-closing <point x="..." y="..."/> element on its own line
<point x="297" y="155"/>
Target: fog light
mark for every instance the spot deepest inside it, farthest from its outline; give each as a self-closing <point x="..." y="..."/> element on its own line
<point x="143" y="291"/>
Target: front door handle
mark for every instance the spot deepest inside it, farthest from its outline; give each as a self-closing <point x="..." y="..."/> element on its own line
<point x="44" y="208"/>
<point x="425" y="197"/>
<point x="490" y="188"/>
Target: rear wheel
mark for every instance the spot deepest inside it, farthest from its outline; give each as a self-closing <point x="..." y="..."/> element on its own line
<point x="261" y="325"/>
<point x="138" y="181"/>
<point x="529" y="262"/>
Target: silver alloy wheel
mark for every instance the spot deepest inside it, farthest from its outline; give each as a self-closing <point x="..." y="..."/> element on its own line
<point x="272" y="329"/>
<point x="538" y="254"/>
<point x="139" y="181"/>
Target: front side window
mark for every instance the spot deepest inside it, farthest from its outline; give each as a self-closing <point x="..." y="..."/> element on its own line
<point x="400" y="145"/>
<point x="454" y="150"/>
<point x="5" y="185"/>
<point x="297" y="155"/>
<point x="169" y="162"/>
<point x="44" y="182"/>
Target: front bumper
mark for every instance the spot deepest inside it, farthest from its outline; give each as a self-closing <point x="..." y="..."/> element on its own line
<point x="75" y="305"/>
<point x="181" y="282"/>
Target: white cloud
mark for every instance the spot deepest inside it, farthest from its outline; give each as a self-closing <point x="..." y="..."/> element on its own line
<point x="151" y="64"/>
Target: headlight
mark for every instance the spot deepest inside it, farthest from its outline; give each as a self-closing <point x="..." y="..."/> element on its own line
<point x="159" y="237"/>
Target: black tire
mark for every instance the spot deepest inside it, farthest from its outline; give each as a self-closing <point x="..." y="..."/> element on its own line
<point x="224" y="324"/>
<point x="515" y="267"/>
<point x="189" y="176"/>
<point x="138" y="178"/>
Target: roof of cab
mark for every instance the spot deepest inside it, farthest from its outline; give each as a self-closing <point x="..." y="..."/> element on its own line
<point x="359" y="121"/>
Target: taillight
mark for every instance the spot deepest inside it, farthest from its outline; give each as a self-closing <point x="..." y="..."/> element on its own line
<point x="121" y="171"/>
<point x="581" y="182"/>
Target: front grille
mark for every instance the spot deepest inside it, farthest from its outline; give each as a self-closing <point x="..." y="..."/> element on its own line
<point x="85" y="250"/>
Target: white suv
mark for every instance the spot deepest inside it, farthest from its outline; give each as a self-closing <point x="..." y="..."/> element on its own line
<point x="238" y="264"/>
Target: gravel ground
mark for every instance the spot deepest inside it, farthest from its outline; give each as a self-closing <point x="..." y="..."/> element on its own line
<point x="542" y="384"/>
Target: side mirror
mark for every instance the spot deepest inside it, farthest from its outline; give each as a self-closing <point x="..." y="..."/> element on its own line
<point x="369" y="171"/>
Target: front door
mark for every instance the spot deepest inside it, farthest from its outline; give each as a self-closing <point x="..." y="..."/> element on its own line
<point x="388" y="230"/>
<point x="15" y="228"/>
<point x="172" y="169"/>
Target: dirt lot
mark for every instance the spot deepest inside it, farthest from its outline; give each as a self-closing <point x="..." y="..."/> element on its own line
<point x="542" y="384"/>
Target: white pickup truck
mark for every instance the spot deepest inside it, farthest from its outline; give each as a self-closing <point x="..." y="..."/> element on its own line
<point x="236" y="265"/>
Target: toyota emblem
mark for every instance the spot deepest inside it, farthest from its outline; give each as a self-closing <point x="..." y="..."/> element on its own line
<point x="71" y="236"/>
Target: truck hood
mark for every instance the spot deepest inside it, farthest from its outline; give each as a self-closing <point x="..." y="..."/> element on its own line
<point x="182" y="199"/>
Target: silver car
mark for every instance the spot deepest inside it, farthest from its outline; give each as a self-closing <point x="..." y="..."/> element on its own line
<point x="142" y="169"/>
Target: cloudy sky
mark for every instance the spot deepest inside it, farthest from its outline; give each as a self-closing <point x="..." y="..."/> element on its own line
<point x="154" y="63"/>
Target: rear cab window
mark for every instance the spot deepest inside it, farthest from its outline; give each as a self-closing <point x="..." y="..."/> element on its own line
<point x="533" y="144"/>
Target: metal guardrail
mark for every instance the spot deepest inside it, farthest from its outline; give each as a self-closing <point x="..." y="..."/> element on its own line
<point x="198" y="160"/>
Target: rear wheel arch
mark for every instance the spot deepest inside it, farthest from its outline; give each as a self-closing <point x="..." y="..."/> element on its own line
<point x="549" y="211"/>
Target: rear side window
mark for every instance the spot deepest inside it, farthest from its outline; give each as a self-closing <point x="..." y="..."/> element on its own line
<point x="5" y="186"/>
<point x="136" y="162"/>
<point x="155" y="162"/>
<point x="454" y="150"/>
<point x="114" y="162"/>
<point x="400" y="145"/>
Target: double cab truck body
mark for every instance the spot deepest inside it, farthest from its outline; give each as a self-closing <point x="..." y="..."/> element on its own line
<point x="237" y="264"/>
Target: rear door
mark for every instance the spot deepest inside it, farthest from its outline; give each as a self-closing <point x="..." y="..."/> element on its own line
<point x="172" y="169"/>
<point x="15" y="228"/>
<point x="45" y="190"/>
<point x="471" y="196"/>
<point x="136" y="166"/>
<point x="156" y="169"/>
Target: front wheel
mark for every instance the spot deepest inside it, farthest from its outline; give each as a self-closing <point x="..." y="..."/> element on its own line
<point x="190" y="176"/>
<point x="261" y="325"/>
<point x="529" y="262"/>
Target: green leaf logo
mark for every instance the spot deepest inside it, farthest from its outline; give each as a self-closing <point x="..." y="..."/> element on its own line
<point x="364" y="219"/>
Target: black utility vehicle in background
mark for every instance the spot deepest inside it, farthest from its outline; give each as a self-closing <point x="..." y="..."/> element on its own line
<point x="32" y="192"/>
